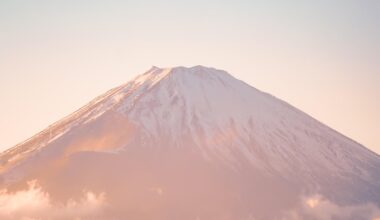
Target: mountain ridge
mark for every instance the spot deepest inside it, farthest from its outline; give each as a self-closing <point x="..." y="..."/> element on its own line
<point x="154" y="77"/>
<point x="220" y="131"/>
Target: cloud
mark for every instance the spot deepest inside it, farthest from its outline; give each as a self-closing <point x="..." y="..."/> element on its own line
<point x="318" y="207"/>
<point x="35" y="204"/>
<point x="158" y="190"/>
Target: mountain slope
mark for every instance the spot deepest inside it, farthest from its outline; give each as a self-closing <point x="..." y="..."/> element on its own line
<point x="209" y="145"/>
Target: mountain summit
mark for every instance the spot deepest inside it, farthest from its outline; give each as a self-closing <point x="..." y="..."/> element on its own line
<point x="193" y="143"/>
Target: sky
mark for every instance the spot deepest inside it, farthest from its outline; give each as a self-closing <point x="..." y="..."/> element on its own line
<point x="323" y="56"/>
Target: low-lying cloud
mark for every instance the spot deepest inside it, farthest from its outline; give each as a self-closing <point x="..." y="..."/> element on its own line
<point x="319" y="208"/>
<point x="35" y="204"/>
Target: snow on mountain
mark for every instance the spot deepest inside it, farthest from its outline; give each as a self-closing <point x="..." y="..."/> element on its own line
<point x="201" y="118"/>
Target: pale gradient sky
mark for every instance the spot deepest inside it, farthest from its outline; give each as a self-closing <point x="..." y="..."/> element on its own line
<point x="321" y="56"/>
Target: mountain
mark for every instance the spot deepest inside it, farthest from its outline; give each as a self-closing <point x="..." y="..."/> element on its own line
<point x="189" y="143"/>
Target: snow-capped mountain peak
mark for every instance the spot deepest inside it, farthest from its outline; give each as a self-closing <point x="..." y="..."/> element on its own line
<point x="205" y="123"/>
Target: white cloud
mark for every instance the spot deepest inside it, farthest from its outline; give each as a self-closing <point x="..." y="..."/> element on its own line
<point x="35" y="204"/>
<point x="318" y="207"/>
<point x="158" y="190"/>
